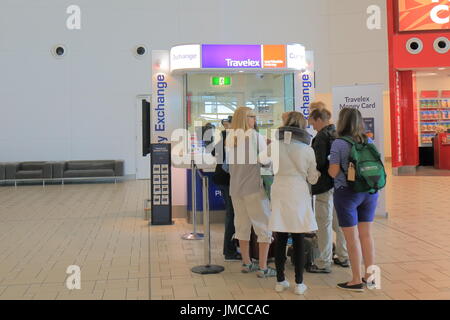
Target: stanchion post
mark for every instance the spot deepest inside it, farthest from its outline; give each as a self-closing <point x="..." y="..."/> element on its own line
<point x="207" y="268"/>
<point x="194" y="195"/>
<point x="206" y="224"/>
<point x="194" y="235"/>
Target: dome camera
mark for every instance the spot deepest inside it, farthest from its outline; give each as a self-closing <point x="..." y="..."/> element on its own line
<point x="140" y="51"/>
<point x="260" y="75"/>
<point x="441" y="45"/>
<point x="59" y="51"/>
<point x="414" y="45"/>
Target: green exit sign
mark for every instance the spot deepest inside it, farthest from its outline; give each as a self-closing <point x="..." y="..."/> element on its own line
<point x="221" y="81"/>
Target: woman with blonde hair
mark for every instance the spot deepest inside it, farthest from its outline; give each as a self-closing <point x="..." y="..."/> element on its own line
<point x="250" y="202"/>
<point x="292" y="211"/>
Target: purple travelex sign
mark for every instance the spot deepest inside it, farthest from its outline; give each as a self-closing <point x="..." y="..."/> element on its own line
<point x="231" y="56"/>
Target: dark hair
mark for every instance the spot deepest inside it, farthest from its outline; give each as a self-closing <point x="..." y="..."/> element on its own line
<point x="320" y="113"/>
<point x="350" y="124"/>
<point x="229" y="119"/>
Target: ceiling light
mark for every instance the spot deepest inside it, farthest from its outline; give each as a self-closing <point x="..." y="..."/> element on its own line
<point x="429" y="74"/>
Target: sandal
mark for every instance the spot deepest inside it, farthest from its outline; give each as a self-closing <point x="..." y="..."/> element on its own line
<point x="251" y="267"/>
<point x="269" y="272"/>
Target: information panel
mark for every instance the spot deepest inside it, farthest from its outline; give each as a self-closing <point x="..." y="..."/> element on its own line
<point x="161" y="190"/>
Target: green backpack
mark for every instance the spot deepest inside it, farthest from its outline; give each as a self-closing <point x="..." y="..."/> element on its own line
<point x="370" y="175"/>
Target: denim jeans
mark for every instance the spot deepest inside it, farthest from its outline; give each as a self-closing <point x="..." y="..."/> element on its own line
<point x="229" y="245"/>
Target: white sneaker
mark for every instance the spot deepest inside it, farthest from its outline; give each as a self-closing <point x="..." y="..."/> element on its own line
<point x="300" y="288"/>
<point x="281" y="286"/>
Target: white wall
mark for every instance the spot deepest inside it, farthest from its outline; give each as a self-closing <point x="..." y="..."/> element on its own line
<point x="83" y="106"/>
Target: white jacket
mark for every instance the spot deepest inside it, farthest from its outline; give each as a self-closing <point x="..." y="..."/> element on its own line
<point x="291" y="199"/>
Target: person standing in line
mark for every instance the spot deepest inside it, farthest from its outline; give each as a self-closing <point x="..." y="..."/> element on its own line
<point x="221" y="178"/>
<point x="326" y="218"/>
<point x="355" y="210"/>
<point x="291" y="203"/>
<point x="250" y="202"/>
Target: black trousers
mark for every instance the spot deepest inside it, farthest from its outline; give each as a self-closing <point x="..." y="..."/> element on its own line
<point x="229" y="245"/>
<point x="298" y="252"/>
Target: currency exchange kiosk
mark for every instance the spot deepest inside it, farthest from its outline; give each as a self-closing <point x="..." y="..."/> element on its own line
<point x="215" y="79"/>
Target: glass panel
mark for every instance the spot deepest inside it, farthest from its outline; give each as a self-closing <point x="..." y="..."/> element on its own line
<point x="212" y="97"/>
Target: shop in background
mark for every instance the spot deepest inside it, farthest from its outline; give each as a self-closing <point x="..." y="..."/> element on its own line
<point x="419" y="73"/>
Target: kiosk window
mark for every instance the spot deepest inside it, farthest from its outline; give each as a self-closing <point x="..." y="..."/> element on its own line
<point x="269" y="94"/>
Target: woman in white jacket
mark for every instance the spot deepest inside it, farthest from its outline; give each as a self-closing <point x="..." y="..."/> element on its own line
<point x="291" y="203"/>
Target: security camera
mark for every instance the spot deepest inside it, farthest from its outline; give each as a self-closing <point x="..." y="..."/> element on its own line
<point x="414" y="46"/>
<point x="260" y="75"/>
<point x="59" y="51"/>
<point x="441" y="45"/>
<point x="140" y="51"/>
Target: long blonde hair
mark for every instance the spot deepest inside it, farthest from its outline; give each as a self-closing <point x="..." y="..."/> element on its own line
<point x="240" y="122"/>
<point x="240" y="118"/>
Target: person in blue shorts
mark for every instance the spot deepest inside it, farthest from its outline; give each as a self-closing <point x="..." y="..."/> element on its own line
<point x="355" y="210"/>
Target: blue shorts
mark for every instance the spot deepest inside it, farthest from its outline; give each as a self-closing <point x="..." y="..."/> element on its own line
<point x="354" y="207"/>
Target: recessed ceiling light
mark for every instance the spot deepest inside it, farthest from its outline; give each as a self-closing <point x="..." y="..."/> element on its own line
<point x="440" y="69"/>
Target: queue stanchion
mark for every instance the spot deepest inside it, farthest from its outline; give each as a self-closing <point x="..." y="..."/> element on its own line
<point x="207" y="268"/>
<point x="193" y="235"/>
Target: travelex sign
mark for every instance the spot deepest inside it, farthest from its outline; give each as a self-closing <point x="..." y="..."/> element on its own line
<point x="226" y="56"/>
<point x="231" y="56"/>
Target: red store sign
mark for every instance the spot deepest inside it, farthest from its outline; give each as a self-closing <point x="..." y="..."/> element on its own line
<point x="420" y="15"/>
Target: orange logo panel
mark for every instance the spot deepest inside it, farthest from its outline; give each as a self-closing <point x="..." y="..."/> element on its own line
<point x="274" y="56"/>
<point x="415" y="15"/>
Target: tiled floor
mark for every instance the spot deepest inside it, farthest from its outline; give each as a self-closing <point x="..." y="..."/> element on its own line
<point x="101" y="228"/>
<point x="412" y="246"/>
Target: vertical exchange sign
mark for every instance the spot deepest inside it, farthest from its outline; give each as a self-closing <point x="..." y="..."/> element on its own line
<point x="159" y="114"/>
<point x="304" y="84"/>
<point x="167" y="99"/>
